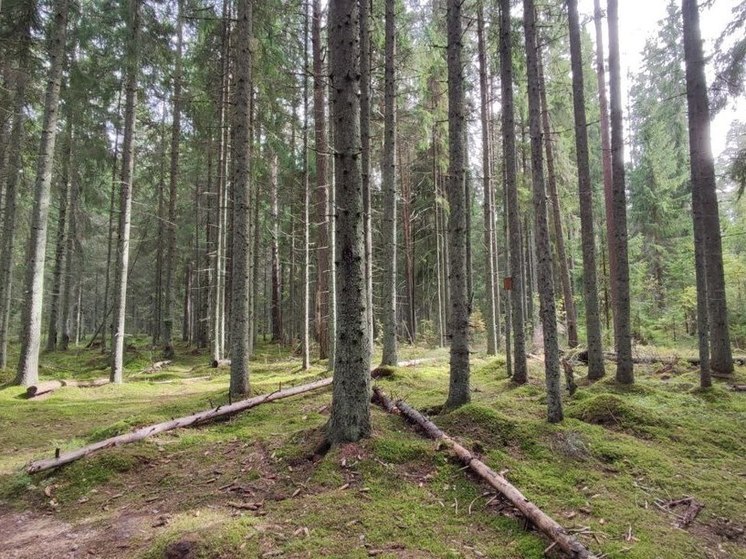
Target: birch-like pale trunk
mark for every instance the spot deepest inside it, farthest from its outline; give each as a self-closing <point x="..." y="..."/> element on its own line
<point x="125" y="198"/>
<point x="543" y="256"/>
<point x="350" y="409"/>
<point x="28" y="363"/>
<point x="240" y="325"/>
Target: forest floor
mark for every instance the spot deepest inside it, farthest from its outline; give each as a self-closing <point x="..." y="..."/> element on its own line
<point x="251" y="486"/>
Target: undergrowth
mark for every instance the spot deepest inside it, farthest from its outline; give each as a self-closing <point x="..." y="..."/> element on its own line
<point x="257" y="485"/>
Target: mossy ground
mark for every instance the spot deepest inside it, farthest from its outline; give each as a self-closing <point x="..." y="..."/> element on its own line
<point x="251" y="486"/>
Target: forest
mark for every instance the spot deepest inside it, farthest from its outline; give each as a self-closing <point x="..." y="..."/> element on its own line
<point x="489" y="254"/>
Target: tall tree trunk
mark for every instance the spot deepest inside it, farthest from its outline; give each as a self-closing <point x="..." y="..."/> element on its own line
<point x="305" y="307"/>
<point x="105" y="329"/>
<point x="161" y="241"/>
<point x="28" y="364"/>
<point x="520" y="367"/>
<point x="13" y="171"/>
<point x="59" y="253"/>
<point x="125" y="200"/>
<point x="705" y="195"/>
<point x="409" y="247"/>
<point x="564" y="272"/>
<point x="217" y="317"/>
<point x="322" y="198"/>
<point x="388" y="174"/>
<point x="624" y="371"/>
<point x="365" y="95"/>
<point x="458" y="387"/>
<point x="606" y="151"/>
<point x="170" y="261"/>
<point x="541" y="232"/>
<point x="187" y="327"/>
<point x="585" y="194"/>
<point x="350" y="410"/>
<point x="489" y="216"/>
<point x="72" y="272"/>
<point x="240" y="326"/>
<point x="276" y="278"/>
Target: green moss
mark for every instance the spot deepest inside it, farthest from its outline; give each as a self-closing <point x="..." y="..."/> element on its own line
<point x="615" y="412"/>
<point x="480" y="423"/>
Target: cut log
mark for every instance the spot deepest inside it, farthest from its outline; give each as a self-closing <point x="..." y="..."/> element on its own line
<point x="540" y="519"/>
<point x="220" y="363"/>
<point x="188" y="421"/>
<point x="48" y="386"/>
<point x="738" y="387"/>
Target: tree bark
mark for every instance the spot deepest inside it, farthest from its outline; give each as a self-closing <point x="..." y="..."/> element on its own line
<point x="275" y="249"/>
<point x="585" y="194"/>
<point x="704" y="192"/>
<point x="388" y="173"/>
<point x="564" y="272"/>
<point x="541" y="233"/>
<point x="520" y="367"/>
<point x="59" y="253"/>
<point x="624" y="371"/>
<point x="606" y="152"/>
<point x="13" y="171"/>
<point x="458" y="387"/>
<point x="489" y="217"/>
<point x="322" y="177"/>
<point x="28" y="364"/>
<point x="240" y="325"/>
<point x="72" y="272"/>
<point x="350" y="411"/>
<point x="125" y="202"/>
<point x="173" y="183"/>
<point x="365" y="96"/>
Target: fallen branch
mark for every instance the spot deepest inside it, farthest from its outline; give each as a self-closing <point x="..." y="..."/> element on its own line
<point x="188" y="421"/>
<point x="738" y="387"/>
<point x="48" y="386"/>
<point x="649" y="360"/>
<point x="544" y="523"/>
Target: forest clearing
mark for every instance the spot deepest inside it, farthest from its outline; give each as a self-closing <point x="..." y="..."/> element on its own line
<point x="251" y="486"/>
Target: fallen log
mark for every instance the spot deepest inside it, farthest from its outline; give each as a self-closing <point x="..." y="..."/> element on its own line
<point x="47" y="386"/>
<point x="188" y="421"/>
<point x="652" y="359"/>
<point x="541" y="520"/>
<point x="155" y="367"/>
